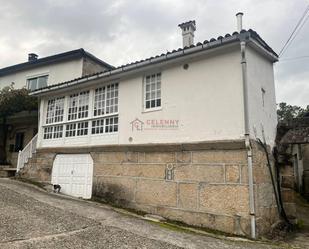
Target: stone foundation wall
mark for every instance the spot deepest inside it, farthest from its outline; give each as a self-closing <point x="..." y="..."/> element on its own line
<point x="200" y="184"/>
<point x="265" y="202"/>
<point x="288" y="185"/>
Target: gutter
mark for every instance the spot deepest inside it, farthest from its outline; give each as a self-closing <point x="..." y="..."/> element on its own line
<point x="243" y="43"/>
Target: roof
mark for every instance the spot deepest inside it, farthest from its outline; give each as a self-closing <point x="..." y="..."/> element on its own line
<point x="74" y="54"/>
<point x="249" y="35"/>
<point x="297" y="131"/>
<point x="298" y="135"/>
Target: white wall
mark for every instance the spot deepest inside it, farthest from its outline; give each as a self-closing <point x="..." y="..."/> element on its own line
<point x="261" y="75"/>
<point x="206" y="100"/>
<point x="57" y="72"/>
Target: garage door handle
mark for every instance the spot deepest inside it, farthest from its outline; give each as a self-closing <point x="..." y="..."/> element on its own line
<point x="72" y="172"/>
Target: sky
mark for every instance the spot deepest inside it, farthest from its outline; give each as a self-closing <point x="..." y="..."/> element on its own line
<point x="123" y="31"/>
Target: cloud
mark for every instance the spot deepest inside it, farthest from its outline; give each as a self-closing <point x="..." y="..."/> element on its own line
<point x="123" y="31"/>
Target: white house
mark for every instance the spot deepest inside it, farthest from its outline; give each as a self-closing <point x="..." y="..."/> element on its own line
<point x="37" y="73"/>
<point x="173" y="134"/>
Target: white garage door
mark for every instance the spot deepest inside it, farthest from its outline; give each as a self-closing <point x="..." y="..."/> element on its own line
<point x="73" y="172"/>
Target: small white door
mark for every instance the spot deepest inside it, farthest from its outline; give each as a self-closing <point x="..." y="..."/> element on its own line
<point x="73" y="172"/>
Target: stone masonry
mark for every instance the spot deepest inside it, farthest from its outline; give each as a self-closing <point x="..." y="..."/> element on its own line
<point x="203" y="184"/>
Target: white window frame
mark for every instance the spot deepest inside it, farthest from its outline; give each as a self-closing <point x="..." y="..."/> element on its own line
<point x="145" y="92"/>
<point x="79" y="103"/>
<point x="111" y="102"/>
<point x="76" y="131"/>
<point x="36" y="77"/>
<point x="57" y="102"/>
<point x="53" y="132"/>
<point x="104" y="127"/>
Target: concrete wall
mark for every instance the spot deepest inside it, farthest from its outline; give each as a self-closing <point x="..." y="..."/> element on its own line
<point x="205" y="100"/>
<point x="57" y="73"/>
<point x="208" y="187"/>
<point x="261" y="75"/>
<point x="90" y="67"/>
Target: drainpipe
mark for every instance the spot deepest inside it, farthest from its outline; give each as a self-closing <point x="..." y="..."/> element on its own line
<point x="247" y="136"/>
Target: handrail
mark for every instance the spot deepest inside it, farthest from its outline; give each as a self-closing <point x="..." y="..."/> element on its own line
<point x="26" y="153"/>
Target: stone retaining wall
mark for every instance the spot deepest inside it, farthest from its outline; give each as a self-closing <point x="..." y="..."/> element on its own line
<point x="288" y="186"/>
<point x="204" y="185"/>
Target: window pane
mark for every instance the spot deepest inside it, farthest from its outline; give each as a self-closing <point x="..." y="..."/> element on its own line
<point x="153" y="103"/>
<point x="147" y="104"/>
<point x="50" y="113"/>
<point x="37" y="82"/>
<point x="42" y="82"/>
<point x="99" y="101"/>
<point x="32" y="84"/>
<point x="152" y="91"/>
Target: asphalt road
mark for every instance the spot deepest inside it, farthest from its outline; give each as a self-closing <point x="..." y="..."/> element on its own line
<point x="32" y="218"/>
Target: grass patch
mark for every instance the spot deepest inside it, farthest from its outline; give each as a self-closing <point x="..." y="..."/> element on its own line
<point x="168" y="224"/>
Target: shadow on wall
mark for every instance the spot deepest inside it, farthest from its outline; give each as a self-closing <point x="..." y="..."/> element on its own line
<point x="110" y="193"/>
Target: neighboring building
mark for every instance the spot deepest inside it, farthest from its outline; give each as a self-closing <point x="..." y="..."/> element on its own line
<point x="173" y="134"/>
<point x="293" y="147"/>
<point x="37" y="73"/>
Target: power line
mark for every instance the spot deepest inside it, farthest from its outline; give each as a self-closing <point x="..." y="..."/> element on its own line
<point x="296" y="33"/>
<point x="295" y="29"/>
<point x="294" y="58"/>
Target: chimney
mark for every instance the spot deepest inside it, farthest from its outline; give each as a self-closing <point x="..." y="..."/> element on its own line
<point x="32" y="57"/>
<point x="188" y="29"/>
<point x="239" y="21"/>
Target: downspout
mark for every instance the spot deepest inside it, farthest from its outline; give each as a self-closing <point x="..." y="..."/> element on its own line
<point x="247" y="135"/>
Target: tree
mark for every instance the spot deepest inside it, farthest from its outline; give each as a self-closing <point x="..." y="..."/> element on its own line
<point x="287" y="112"/>
<point x="13" y="101"/>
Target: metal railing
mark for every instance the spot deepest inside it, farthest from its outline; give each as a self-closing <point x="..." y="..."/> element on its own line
<point x="26" y="153"/>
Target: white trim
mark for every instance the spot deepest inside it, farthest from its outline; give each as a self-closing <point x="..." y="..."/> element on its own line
<point x="88" y="119"/>
<point x="46" y="73"/>
<point x="156" y="108"/>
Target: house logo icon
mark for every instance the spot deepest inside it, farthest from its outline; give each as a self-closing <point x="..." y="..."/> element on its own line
<point x="137" y="125"/>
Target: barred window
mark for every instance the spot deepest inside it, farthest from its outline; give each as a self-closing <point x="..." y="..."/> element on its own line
<point x="152" y="86"/>
<point x="55" y="110"/>
<point x="70" y="130"/>
<point x="106" y="100"/>
<point x="111" y="124"/>
<point x="82" y="128"/>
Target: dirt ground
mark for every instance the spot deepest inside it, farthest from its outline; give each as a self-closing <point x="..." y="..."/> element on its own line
<point x="32" y="218"/>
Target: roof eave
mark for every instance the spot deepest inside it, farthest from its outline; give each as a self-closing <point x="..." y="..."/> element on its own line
<point x="130" y="68"/>
<point x="273" y="57"/>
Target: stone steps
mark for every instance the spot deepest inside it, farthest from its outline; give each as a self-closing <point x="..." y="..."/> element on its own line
<point x="7" y="171"/>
